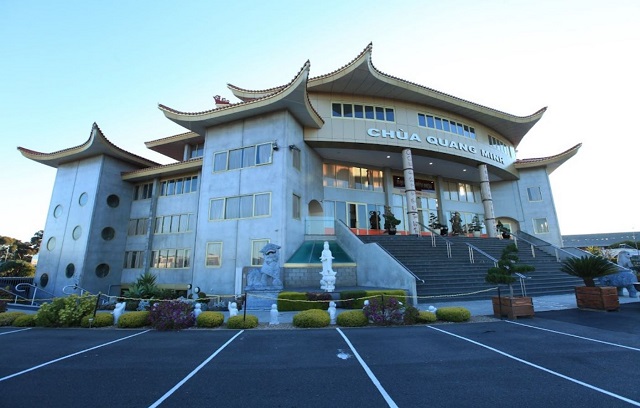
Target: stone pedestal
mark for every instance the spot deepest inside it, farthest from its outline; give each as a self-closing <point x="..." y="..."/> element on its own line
<point x="262" y="299"/>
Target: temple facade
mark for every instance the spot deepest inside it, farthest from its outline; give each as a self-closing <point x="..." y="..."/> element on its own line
<point x="284" y="165"/>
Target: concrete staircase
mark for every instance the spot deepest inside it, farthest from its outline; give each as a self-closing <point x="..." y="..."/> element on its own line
<point x="444" y="277"/>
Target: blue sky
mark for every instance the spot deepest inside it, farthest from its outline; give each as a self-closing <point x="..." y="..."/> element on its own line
<point x="67" y="64"/>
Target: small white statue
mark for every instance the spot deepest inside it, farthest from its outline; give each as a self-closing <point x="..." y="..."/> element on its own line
<point x="233" y="309"/>
<point x="432" y="309"/>
<point x="332" y="311"/>
<point x="328" y="280"/>
<point x="117" y="312"/>
<point x="274" y="315"/>
<point x="197" y="309"/>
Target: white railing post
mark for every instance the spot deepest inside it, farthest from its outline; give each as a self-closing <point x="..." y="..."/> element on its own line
<point x="533" y="251"/>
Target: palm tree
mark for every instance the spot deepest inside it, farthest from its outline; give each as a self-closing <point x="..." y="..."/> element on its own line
<point x="588" y="268"/>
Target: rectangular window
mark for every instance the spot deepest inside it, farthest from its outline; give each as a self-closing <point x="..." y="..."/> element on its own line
<point x="133" y="259"/>
<point x="534" y="194"/>
<point x="171" y="258"/>
<point x="197" y="150"/>
<point x="389" y="115"/>
<point x="295" y="157"/>
<point x="422" y="121"/>
<point x="264" y="153"/>
<point x="249" y="156"/>
<point x="142" y="191"/>
<point x="214" y="255"/>
<point x="347" y="111"/>
<point x="247" y="206"/>
<point x="137" y="226"/>
<point x="336" y="110"/>
<point x="445" y="125"/>
<point x="379" y="113"/>
<point x="540" y="225"/>
<point x="351" y="177"/>
<point x="296" y="207"/>
<point x="257" y="257"/>
<point x="358" y="111"/>
<point x="430" y="122"/>
<point x="178" y="186"/>
<point x="220" y="161"/>
<point x="368" y="112"/>
<point x="438" y="123"/>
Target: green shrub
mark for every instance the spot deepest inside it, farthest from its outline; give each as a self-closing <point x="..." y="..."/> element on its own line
<point x="350" y="299"/>
<point x="427" y="317"/>
<point x="360" y="296"/>
<point x="65" y="311"/>
<point x="7" y="318"/>
<point x="101" y="320"/>
<point x="210" y="319"/>
<point x="352" y="318"/>
<point x="294" y="301"/>
<point x="410" y="315"/>
<point x="312" y="318"/>
<point x="26" y="320"/>
<point x="238" y="322"/>
<point x="453" y="314"/>
<point x="133" y="319"/>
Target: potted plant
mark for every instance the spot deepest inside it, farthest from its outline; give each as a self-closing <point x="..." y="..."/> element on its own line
<point x="504" y="231"/>
<point x="434" y="224"/>
<point x="510" y="306"/>
<point x="390" y="221"/>
<point x="476" y="226"/>
<point x="590" y="296"/>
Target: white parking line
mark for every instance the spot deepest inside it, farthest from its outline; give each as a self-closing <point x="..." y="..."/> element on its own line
<point x="14" y="331"/>
<point x="67" y="356"/>
<point x="372" y="376"/>
<point x="192" y="373"/>
<point x="574" y="335"/>
<point x="584" y="384"/>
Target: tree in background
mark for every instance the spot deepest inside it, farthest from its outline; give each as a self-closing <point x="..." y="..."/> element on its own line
<point x="17" y="269"/>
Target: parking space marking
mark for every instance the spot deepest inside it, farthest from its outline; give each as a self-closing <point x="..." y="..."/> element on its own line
<point x="14" y="331"/>
<point x="576" y="381"/>
<point x="576" y="336"/>
<point x="192" y="373"/>
<point x="68" y="356"/>
<point x="372" y="376"/>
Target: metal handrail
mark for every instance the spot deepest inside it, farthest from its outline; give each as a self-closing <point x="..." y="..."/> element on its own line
<point x="15" y="295"/>
<point x="75" y="287"/>
<point x="435" y="236"/>
<point x="471" y="248"/>
<point x="33" y="298"/>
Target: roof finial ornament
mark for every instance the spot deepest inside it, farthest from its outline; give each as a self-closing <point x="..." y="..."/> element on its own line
<point x="221" y="102"/>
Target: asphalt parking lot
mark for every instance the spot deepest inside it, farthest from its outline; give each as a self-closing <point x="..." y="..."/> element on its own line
<point x="558" y="358"/>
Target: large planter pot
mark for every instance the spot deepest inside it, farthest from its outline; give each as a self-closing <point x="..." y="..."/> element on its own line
<point x="512" y="307"/>
<point x="597" y="298"/>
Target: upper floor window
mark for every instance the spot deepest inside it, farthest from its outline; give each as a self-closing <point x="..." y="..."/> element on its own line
<point x="295" y="157"/>
<point x="335" y="175"/>
<point x="214" y="255"/>
<point x="460" y="192"/>
<point x="499" y="145"/>
<point x="248" y="156"/>
<point x="142" y="191"/>
<point x="181" y="185"/>
<point x="296" y="206"/>
<point x="347" y="110"/>
<point x="197" y="150"/>
<point x="540" y="225"/>
<point x="534" y="194"/>
<point x="137" y="226"/>
<point x="170" y="224"/>
<point x="446" y="125"/>
<point x="133" y="259"/>
<point x="246" y="206"/>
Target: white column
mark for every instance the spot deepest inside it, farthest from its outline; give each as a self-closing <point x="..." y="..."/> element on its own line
<point x="410" y="191"/>
<point x="487" y="201"/>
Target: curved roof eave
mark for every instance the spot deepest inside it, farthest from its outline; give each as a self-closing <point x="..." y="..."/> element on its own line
<point x="292" y="98"/>
<point x="96" y="145"/>
<point x="360" y="77"/>
<point x="550" y="162"/>
<point x="163" y="170"/>
<point x="173" y="146"/>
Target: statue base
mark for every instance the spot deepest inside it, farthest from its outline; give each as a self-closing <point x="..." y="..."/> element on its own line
<point x="261" y="299"/>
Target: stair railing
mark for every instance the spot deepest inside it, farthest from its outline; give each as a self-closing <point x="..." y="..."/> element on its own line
<point x="472" y="259"/>
<point x="435" y="236"/>
<point x="21" y="287"/>
<point x="73" y="288"/>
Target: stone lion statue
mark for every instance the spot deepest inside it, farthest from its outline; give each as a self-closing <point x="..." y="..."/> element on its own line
<point x="268" y="276"/>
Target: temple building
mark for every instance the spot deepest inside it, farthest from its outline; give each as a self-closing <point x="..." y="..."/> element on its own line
<point x="316" y="158"/>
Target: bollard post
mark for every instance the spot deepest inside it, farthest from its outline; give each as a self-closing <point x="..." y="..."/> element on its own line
<point x="499" y="303"/>
<point x="244" y="307"/>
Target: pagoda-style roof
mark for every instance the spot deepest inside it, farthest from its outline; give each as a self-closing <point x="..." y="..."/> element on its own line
<point x="550" y="162"/>
<point x="96" y="145"/>
<point x="173" y="146"/>
<point x="360" y="77"/>
<point x="163" y="170"/>
<point x="291" y="97"/>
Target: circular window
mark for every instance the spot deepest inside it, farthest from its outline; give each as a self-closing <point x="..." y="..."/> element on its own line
<point x="77" y="232"/>
<point x="83" y="199"/>
<point x="57" y="212"/>
<point x="108" y="234"/>
<point x="102" y="270"/>
<point x="44" y="280"/>
<point x="51" y="243"/>
<point x="71" y="268"/>
<point x="113" y="201"/>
